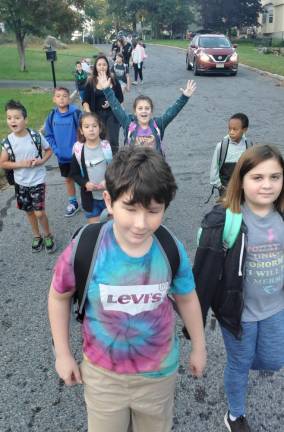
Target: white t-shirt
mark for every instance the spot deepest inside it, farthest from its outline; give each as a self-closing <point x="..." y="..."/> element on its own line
<point x="24" y="148"/>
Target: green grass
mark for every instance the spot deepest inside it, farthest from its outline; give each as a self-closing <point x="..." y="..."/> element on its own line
<point x="38" y="67"/>
<point x="248" y="55"/>
<point x="38" y="104"/>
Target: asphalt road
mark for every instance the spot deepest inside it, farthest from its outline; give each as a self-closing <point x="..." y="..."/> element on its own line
<point x="32" y="398"/>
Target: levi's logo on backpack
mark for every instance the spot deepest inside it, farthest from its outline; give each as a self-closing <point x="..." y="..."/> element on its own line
<point x="9" y="173"/>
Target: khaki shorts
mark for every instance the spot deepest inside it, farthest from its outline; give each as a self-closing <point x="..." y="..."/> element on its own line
<point x="115" y="400"/>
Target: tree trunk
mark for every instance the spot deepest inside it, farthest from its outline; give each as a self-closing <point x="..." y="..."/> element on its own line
<point x="21" y="50"/>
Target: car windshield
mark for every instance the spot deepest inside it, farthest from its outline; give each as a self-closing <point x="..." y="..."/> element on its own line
<point x="214" y="42"/>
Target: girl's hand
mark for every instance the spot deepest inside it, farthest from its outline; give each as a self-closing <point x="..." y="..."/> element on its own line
<point x="103" y="80"/>
<point x="89" y="186"/>
<point x="68" y="370"/>
<point x="197" y="362"/>
<point x="190" y="88"/>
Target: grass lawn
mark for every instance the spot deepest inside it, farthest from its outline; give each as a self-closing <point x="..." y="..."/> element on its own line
<point x="38" y="67"/>
<point x="37" y="104"/>
<point x="248" y="55"/>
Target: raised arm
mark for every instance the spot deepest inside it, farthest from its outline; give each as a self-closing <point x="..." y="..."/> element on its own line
<point x="174" y="109"/>
<point x="118" y="111"/>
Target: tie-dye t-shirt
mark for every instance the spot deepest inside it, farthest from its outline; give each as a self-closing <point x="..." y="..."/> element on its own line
<point x="264" y="271"/>
<point x="129" y="321"/>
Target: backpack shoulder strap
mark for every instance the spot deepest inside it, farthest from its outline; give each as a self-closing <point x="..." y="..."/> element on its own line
<point x="232" y="228"/>
<point x="35" y="136"/>
<point x="5" y="143"/>
<point x="169" y="245"/>
<point x="50" y="118"/>
<point x="131" y="132"/>
<point x="223" y="152"/>
<point x="77" y="151"/>
<point x="248" y="143"/>
<point x="85" y="254"/>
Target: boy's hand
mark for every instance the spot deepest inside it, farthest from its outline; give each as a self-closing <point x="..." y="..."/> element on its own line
<point x="36" y="162"/>
<point x="197" y="362"/>
<point x="27" y="163"/>
<point x="103" y="80"/>
<point x="68" y="370"/>
<point x="190" y="88"/>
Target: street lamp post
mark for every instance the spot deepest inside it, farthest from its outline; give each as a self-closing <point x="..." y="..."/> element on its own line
<point x="51" y="56"/>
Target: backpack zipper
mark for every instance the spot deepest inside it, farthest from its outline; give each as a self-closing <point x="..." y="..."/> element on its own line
<point x="240" y="273"/>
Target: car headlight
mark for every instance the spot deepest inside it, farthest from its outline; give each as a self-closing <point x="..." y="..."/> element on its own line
<point x="234" y="57"/>
<point x="204" y="57"/>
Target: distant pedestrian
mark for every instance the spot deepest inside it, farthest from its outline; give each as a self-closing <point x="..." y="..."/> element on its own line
<point x="91" y="154"/>
<point x="228" y="151"/>
<point x="126" y="49"/>
<point x="95" y="100"/>
<point x="138" y="56"/>
<point x="121" y="73"/>
<point x="25" y="151"/>
<point x="80" y="79"/>
<point x="60" y="130"/>
<point x="130" y="348"/>
<point x="86" y="65"/>
<point x="141" y="128"/>
<point x="239" y="272"/>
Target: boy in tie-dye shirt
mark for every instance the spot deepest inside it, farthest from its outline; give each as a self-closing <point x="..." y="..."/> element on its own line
<point x="129" y="344"/>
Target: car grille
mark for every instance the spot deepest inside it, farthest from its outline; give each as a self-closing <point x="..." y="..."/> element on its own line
<point x="220" y="57"/>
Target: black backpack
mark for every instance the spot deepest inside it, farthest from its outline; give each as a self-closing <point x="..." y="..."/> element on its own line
<point x="85" y="255"/>
<point x="224" y="150"/>
<point x="9" y="173"/>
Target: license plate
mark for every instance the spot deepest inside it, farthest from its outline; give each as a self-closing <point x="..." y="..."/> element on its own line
<point x="220" y="65"/>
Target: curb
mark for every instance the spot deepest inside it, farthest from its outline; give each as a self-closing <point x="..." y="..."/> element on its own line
<point x="270" y="74"/>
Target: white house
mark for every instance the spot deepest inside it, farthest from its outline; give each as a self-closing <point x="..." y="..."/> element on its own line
<point x="272" y="18"/>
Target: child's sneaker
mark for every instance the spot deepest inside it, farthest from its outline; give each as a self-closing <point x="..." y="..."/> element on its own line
<point x="238" y="425"/>
<point x="37" y="244"/>
<point x="71" y="209"/>
<point x="134" y="82"/>
<point x="49" y="244"/>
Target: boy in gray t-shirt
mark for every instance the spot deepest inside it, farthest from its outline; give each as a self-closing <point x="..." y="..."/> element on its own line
<point x="22" y="153"/>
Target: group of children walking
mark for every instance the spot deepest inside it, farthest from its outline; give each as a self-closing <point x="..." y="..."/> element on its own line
<point x="130" y="351"/>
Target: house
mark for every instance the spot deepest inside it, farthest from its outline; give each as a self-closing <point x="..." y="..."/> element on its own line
<point x="272" y="18"/>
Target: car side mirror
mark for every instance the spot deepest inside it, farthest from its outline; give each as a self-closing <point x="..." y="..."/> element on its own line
<point x="235" y="45"/>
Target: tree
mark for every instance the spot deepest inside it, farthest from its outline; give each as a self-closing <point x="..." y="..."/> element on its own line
<point x="225" y="14"/>
<point x="34" y="17"/>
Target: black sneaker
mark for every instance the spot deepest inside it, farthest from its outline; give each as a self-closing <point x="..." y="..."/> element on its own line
<point x="238" y="425"/>
<point x="37" y="244"/>
<point x="49" y="244"/>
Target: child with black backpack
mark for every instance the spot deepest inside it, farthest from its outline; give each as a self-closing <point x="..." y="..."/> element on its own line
<point x="130" y="349"/>
<point x="240" y="274"/>
<point x="228" y="152"/>
<point x="141" y="128"/>
<point x="24" y="153"/>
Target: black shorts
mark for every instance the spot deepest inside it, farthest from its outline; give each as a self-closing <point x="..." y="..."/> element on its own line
<point x="30" y="198"/>
<point x="65" y="169"/>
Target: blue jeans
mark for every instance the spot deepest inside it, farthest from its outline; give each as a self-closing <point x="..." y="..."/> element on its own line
<point x="260" y="348"/>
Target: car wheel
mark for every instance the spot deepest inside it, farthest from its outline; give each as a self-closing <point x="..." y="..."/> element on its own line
<point x="188" y="65"/>
<point x="234" y="73"/>
<point x="195" y="70"/>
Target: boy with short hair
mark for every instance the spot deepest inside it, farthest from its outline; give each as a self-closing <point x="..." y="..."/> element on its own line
<point x="121" y="73"/>
<point x="61" y="132"/>
<point x="130" y="348"/>
<point x="81" y="77"/>
<point x="22" y="153"/>
<point x="228" y="151"/>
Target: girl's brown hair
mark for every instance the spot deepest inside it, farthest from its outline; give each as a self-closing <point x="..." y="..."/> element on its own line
<point x="143" y="98"/>
<point x="80" y="135"/>
<point x="252" y="157"/>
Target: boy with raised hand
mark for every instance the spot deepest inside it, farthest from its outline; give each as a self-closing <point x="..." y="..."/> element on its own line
<point x="25" y="152"/>
<point x="130" y="351"/>
<point x="60" y="131"/>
